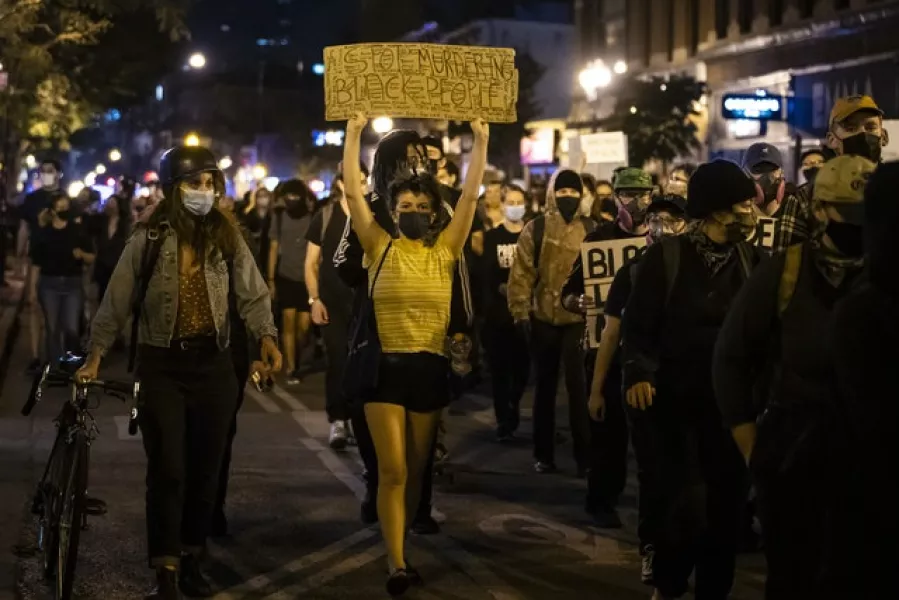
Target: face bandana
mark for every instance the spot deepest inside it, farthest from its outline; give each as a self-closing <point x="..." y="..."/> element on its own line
<point x="740" y="228"/>
<point x="414" y="225"/>
<point x="568" y="207"/>
<point x="867" y="145"/>
<point x="197" y="202"/>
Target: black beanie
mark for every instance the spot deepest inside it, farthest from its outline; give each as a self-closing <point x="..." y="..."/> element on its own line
<point x="717" y="185"/>
<point x="881" y="223"/>
<point x="568" y="179"/>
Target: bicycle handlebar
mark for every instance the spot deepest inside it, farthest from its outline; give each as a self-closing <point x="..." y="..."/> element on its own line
<point x="56" y="378"/>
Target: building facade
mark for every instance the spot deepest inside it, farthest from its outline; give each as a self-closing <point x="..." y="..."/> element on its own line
<point x="803" y="53"/>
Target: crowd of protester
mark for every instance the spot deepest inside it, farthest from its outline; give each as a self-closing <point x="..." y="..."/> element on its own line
<point x="749" y="380"/>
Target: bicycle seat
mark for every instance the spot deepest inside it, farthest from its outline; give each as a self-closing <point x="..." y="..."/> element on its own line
<point x="71" y="362"/>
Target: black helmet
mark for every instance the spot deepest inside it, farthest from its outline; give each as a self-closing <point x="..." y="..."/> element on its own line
<point x="182" y="162"/>
<point x="185" y="161"/>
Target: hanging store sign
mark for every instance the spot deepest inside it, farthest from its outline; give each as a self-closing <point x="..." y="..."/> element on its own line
<point x="752" y="107"/>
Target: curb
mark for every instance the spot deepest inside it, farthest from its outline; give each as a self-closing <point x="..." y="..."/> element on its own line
<point x="10" y="338"/>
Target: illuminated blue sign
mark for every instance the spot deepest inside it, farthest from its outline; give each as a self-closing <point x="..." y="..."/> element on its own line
<point x="754" y="107"/>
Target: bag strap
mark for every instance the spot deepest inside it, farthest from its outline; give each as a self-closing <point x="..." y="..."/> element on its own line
<point x="539" y="231"/>
<point x="745" y="255"/>
<point x="371" y="290"/>
<point x="671" y="260"/>
<point x="149" y="258"/>
<point x="788" y="278"/>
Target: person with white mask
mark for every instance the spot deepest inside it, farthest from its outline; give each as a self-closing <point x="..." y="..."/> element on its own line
<point x="507" y="349"/>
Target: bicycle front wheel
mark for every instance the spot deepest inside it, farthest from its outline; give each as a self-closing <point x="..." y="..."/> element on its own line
<point x="71" y="516"/>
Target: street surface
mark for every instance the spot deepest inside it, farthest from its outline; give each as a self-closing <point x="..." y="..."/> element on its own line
<point x="508" y="533"/>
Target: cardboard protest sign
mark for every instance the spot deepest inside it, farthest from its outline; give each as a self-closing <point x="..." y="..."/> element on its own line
<point x="602" y="260"/>
<point x="422" y="81"/>
<point x="764" y="233"/>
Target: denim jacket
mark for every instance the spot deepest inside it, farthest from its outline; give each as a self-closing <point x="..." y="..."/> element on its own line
<point x="160" y="308"/>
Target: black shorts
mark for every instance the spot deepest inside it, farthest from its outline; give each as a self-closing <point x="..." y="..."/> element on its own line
<point x="418" y="382"/>
<point x="292" y="295"/>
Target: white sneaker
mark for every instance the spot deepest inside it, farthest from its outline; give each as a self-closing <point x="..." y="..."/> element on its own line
<point x="338" y="438"/>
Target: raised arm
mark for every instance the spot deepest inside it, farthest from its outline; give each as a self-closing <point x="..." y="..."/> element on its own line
<point x="456" y="233"/>
<point x="363" y="221"/>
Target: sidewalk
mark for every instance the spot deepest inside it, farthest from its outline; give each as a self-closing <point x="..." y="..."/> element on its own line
<point x="14" y="471"/>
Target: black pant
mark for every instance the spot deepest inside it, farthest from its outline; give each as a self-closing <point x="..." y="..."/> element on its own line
<point x="608" y="448"/>
<point x="335" y="335"/>
<point x="240" y="356"/>
<point x="188" y="400"/>
<point x="102" y="275"/>
<point x="510" y="365"/>
<point x="552" y="344"/>
<point x="370" y="459"/>
<point x="693" y="486"/>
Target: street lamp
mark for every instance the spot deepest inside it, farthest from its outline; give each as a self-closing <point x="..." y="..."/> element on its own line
<point x="75" y="188"/>
<point x="382" y="125"/>
<point x="115" y="155"/>
<point x="594" y="77"/>
<point x="620" y="67"/>
<point x="90" y="179"/>
<point x="100" y="169"/>
<point x="192" y="139"/>
<point x="30" y="161"/>
<point x="196" y="61"/>
<point x="225" y="163"/>
<point x="260" y="172"/>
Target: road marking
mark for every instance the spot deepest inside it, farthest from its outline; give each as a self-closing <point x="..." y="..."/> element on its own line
<point x="267" y="404"/>
<point x="121" y="425"/>
<point x="259" y="582"/>
<point x="319" y="579"/>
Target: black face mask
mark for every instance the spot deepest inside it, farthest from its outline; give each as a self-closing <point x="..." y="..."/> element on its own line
<point x="63" y="215"/>
<point x="810" y="174"/>
<point x="863" y="144"/>
<point x="848" y="238"/>
<point x="296" y="209"/>
<point x="568" y="206"/>
<point x="414" y="225"/>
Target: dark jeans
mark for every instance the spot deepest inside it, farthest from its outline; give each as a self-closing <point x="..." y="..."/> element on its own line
<point x="367" y="452"/>
<point x="510" y="366"/>
<point x="335" y="335"/>
<point x="693" y="486"/>
<point x="556" y="346"/>
<point x="62" y="299"/>
<point x="608" y="448"/>
<point x="189" y="396"/>
<point x="240" y="355"/>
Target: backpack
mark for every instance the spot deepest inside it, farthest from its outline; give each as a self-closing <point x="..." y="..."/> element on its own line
<point x="148" y="260"/>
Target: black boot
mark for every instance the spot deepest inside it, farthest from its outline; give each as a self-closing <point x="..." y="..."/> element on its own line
<point x="166" y="586"/>
<point x="192" y="581"/>
<point x="369" y="509"/>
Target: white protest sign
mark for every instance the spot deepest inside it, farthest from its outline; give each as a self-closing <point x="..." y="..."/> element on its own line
<point x="763" y="236"/>
<point x="604" y="148"/>
<point x="601" y="261"/>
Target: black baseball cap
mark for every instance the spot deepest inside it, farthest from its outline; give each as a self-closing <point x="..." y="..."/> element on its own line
<point x="762" y="153"/>
<point x="670" y="202"/>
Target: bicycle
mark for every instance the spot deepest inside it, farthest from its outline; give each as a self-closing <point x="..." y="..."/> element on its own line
<point x="60" y="498"/>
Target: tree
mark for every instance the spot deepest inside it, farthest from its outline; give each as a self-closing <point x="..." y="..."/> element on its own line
<point x="49" y="50"/>
<point x="658" y="117"/>
<point x="505" y="138"/>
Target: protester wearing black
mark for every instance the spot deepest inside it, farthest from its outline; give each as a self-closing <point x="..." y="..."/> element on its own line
<point x="865" y="342"/>
<point x="507" y="350"/>
<point x="174" y="278"/>
<point x="61" y="251"/>
<point x="678" y="303"/>
<point x="256" y="217"/>
<point x="775" y="385"/>
<point x="110" y="231"/>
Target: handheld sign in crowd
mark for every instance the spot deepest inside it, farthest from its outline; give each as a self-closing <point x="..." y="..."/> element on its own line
<point x="764" y="232"/>
<point x="601" y="261"/>
<point x="421" y="81"/>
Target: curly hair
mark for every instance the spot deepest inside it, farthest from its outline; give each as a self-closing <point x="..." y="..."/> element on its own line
<point x="390" y="158"/>
<point x="421" y="183"/>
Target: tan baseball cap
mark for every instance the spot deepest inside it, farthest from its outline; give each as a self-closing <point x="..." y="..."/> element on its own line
<point x="845" y="107"/>
<point x="842" y="180"/>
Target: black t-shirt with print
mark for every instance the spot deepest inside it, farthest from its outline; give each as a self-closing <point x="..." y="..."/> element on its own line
<point x="499" y="253"/>
<point x="54" y="252"/>
<point x="334" y="292"/>
<point x="619" y="292"/>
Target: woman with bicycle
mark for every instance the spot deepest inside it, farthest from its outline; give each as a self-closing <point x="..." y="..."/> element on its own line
<point x="411" y="286"/>
<point x="174" y="278"/>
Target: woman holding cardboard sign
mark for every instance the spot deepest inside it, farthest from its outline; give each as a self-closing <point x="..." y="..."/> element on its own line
<point x="410" y="285"/>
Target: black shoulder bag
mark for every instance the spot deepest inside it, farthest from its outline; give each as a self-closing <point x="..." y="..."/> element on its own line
<point x="360" y="375"/>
